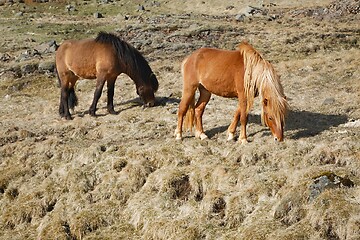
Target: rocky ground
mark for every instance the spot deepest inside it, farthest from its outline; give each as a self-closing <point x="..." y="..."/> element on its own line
<point x="125" y="176"/>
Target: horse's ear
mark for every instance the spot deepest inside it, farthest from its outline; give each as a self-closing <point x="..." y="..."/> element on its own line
<point x="265" y="102"/>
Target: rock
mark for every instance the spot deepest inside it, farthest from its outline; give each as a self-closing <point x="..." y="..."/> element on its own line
<point x="230" y="7"/>
<point x="28" y="68"/>
<point x="250" y="11"/>
<point x="327" y="180"/>
<point x="70" y="8"/>
<point x="155" y="4"/>
<point x="329" y="101"/>
<point x="19" y="14"/>
<point x="7" y="97"/>
<point x="98" y="15"/>
<point x="4" y="57"/>
<point x="46" y="67"/>
<point x="52" y="46"/>
<point x="49" y="47"/>
<point x="141" y="8"/>
<point x="28" y="54"/>
<point x="240" y="17"/>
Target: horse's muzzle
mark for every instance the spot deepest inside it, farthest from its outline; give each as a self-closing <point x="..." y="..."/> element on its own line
<point x="149" y="104"/>
<point x="278" y="139"/>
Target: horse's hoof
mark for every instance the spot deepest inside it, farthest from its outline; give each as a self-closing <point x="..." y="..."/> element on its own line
<point x="202" y="135"/>
<point x="68" y="118"/>
<point x="177" y="135"/>
<point x="231" y="137"/>
<point x="243" y="141"/>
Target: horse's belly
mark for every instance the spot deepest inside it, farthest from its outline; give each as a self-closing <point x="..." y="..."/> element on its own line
<point x="86" y="72"/>
<point x="220" y="88"/>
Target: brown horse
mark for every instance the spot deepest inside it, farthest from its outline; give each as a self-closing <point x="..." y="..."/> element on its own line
<point x="242" y="73"/>
<point x="103" y="58"/>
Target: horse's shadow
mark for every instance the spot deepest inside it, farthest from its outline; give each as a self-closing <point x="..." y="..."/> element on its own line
<point x="301" y="124"/>
<point x="159" y="101"/>
<point x="309" y="124"/>
<point x="134" y="103"/>
<point x="162" y="101"/>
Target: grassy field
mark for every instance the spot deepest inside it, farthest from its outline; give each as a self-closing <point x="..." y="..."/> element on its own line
<point x="125" y="176"/>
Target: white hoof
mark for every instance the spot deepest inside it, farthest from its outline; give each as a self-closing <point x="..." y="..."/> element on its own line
<point x="200" y="135"/>
<point x="243" y="141"/>
<point x="231" y="137"/>
<point x="177" y="135"/>
<point x="203" y="136"/>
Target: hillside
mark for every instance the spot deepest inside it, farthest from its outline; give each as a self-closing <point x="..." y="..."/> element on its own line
<point x="125" y="176"/>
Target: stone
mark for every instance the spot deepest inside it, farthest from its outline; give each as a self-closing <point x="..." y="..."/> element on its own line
<point x="98" y="15"/>
<point x="327" y="180"/>
<point x="19" y="14"/>
<point x="28" y="68"/>
<point x="141" y="8"/>
<point x="329" y="101"/>
<point x="240" y="17"/>
<point x="46" y="67"/>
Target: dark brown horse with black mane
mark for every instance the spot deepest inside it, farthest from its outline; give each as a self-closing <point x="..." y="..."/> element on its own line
<point x="103" y="58"/>
<point x="242" y="74"/>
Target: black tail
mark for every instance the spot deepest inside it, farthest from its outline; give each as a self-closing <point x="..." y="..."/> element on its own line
<point x="57" y="75"/>
<point x="72" y="100"/>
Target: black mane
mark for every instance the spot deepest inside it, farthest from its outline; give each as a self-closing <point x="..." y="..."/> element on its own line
<point x="136" y="64"/>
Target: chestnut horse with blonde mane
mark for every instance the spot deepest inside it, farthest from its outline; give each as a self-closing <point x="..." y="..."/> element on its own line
<point x="243" y="74"/>
<point x="103" y="58"/>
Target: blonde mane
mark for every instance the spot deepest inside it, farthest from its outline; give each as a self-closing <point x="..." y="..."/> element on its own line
<point x="261" y="78"/>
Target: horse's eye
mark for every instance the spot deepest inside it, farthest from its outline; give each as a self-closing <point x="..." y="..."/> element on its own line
<point x="270" y="118"/>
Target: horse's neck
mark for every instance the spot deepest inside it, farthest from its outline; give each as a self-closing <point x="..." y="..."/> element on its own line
<point x="134" y="75"/>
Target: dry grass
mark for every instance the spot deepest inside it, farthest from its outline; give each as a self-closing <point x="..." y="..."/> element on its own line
<point x="125" y="176"/>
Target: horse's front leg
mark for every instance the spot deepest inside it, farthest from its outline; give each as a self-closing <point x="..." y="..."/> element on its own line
<point x="243" y="122"/>
<point x="97" y="95"/>
<point x="110" y="96"/>
<point x="233" y="125"/>
<point x="241" y="115"/>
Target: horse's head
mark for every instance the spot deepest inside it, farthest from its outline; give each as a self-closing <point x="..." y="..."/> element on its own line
<point x="146" y="91"/>
<point x="146" y="95"/>
<point x="274" y="117"/>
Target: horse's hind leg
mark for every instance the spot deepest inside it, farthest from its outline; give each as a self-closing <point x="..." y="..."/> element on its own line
<point x="199" y="111"/>
<point x="97" y="94"/>
<point x="64" y="107"/>
<point x="67" y="79"/>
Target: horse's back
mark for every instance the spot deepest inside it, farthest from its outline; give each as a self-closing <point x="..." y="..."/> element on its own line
<point x="86" y="57"/>
<point x="219" y="71"/>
